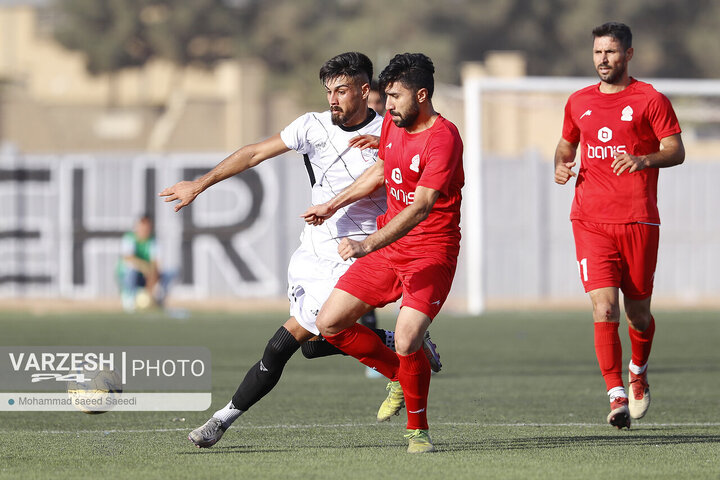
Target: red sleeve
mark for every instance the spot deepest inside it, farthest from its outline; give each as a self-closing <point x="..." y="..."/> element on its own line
<point x="442" y="156"/>
<point x="662" y="117"/>
<point x="570" y="131"/>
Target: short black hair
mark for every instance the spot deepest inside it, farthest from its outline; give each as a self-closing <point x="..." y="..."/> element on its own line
<point x="354" y="65"/>
<point x="619" y="31"/>
<point x="413" y="70"/>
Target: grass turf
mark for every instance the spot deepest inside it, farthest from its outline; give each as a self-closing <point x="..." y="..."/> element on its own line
<point x="520" y="396"/>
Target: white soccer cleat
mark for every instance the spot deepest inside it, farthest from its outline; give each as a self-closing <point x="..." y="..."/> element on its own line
<point x="639" y="398"/>
<point x="207" y="435"/>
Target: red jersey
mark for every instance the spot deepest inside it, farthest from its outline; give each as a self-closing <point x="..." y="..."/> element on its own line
<point x="632" y="121"/>
<point x="433" y="159"/>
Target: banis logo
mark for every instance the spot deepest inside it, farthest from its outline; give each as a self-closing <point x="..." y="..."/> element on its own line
<point x="605" y="151"/>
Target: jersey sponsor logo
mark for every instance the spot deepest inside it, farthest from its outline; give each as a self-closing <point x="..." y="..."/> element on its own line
<point x="397" y="176"/>
<point x="321" y="145"/>
<point x="399" y="194"/>
<point x="587" y="113"/>
<point x="605" y="134"/>
<point x="389" y="145"/>
<point x="627" y="114"/>
<point x="605" y="151"/>
<point x="415" y="163"/>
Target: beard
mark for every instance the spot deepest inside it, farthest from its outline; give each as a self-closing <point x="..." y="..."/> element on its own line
<point x="339" y="117"/>
<point x="614" y="75"/>
<point x="403" y="120"/>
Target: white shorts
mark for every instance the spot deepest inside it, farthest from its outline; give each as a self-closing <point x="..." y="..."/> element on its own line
<point x="310" y="281"/>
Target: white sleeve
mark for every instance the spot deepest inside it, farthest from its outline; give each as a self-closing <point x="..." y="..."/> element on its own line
<point x="295" y="135"/>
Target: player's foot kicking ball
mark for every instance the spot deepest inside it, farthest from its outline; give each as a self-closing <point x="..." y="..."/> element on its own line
<point x="419" y="441"/>
<point x="394" y="402"/>
<point x="207" y="435"/>
<point x="619" y="416"/>
<point x="639" y="398"/>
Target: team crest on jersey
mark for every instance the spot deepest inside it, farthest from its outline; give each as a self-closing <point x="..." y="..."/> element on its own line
<point x="415" y="163"/>
<point x="397" y="176"/>
<point x="369" y="154"/>
<point x="605" y="134"/>
<point x="627" y="114"/>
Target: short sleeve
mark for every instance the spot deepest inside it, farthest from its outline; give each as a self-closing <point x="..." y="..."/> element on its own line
<point x="295" y="135"/>
<point x="443" y="154"/>
<point x="662" y="117"/>
<point x="570" y="131"/>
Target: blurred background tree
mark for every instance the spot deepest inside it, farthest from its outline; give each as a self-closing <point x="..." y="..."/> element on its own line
<point x="293" y="38"/>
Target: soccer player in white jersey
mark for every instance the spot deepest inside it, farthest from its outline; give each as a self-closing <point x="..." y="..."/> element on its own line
<point x="315" y="267"/>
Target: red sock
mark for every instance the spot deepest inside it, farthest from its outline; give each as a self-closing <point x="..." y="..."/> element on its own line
<point x="363" y="344"/>
<point x="415" y="381"/>
<point x="609" y="353"/>
<point x="641" y="343"/>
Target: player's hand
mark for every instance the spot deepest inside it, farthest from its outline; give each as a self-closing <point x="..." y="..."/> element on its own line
<point x="625" y="161"/>
<point x="352" y="249"/>
<point x="365" y="141"/>
<point x="563" y="172"/>
<point x="317" y="214"/>
<point x="184" y="191"/>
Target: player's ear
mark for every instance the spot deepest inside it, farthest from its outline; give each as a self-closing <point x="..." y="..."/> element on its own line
<point x="365" y="89"/>
<point x="629" y="54"/>
<point x="421" y="95"/>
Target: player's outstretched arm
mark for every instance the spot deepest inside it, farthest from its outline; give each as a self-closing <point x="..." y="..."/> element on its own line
<point x="671" y="153"/>
<point x="371" y="179"/>
<point x="564" y="161"/>
<point x="396" y="228"/>
<point x="239" y="161"/>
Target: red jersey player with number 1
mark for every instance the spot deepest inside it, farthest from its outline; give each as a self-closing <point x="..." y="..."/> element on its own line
<point x="626" y="131"/>
<point x="414" y="252"/>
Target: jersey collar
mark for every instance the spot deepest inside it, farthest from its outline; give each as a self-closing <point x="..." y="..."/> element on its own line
<point x="370" y="116"/>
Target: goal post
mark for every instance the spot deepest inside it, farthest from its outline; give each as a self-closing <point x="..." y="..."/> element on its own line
<point x="479" y="91"/>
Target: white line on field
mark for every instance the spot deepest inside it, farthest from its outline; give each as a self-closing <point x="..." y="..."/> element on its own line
<point x="350" y="425"/>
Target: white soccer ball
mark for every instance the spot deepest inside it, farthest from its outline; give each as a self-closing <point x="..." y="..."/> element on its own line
<point x="95" y="391"/>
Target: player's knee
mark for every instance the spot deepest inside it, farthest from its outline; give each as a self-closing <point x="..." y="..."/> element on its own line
<point x="407" y="345"/>
<point x="310" y="349"/>
<point x="280" y="348"/>
<point x="606" y="312"/>
<point x="639" y="318"/>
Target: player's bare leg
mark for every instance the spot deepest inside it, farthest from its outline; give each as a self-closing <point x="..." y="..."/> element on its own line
<point x="606" y="317"/>
<point x="641" y="330"/>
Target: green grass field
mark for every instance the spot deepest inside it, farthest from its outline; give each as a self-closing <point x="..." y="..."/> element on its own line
<point x="520" y="396"/>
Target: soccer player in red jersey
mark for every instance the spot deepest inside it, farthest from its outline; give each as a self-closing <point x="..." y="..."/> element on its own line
<point x="626" y="131"/>
<point x="414" y="252"/>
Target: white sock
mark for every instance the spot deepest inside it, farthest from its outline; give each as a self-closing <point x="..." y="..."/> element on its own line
<point x="635" y="369"/>
<point x="228" y="414"/>
<point x="617" y="392"/>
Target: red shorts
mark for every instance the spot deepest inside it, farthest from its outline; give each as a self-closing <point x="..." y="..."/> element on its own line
<point x="617" y="255"/>
<point x="384" y="275"/>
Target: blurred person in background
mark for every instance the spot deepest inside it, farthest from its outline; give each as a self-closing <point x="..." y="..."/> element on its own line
<point x="626" y="131"/>
<point x="142" y="284"/>
<point x="376" y="98"/>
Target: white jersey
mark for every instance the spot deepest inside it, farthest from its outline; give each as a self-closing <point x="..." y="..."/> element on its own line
<point x="333" y="166"/>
